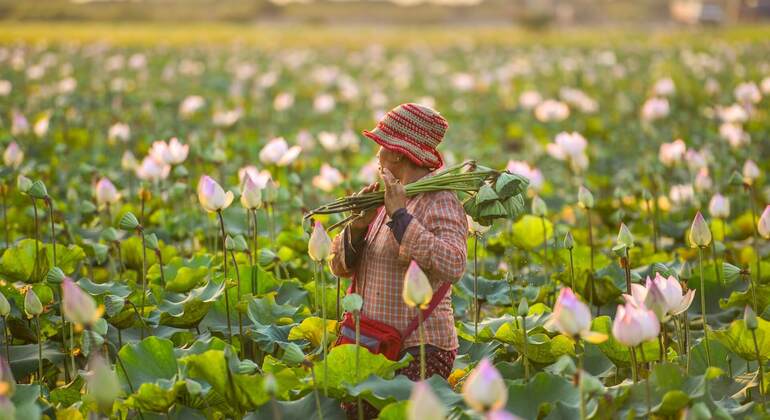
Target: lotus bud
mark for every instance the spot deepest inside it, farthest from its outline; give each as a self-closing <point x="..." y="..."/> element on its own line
<point x="352" y="303"/>
<point x="736" y="179"/>
<point x="523" y="309"/>
<point x="539" y="208"/>
<point x="13" y="155"/>
<point x="320" y="244"/>
<point x="700" y="234"/>
<point x="569" y="241"/>
<point x="270" y="191"/>
<point x="211" y="196"/>
<point x="128" y="222"/>
<point x="78" y="306"/>
<point x="251" y="196"/>
<point x="102" y="383"/>
<point x="145" y="194"/>
<point x="105" y="192"/>
<point x="128" y="162"/>
<point x="719" y="206"/>
<point x="750" y="318"/>
<point x="23" y="184"/>
<point x="625" y="238"/>
<point x="424" y="405"/>
<point x="634" y="325"/>
<point x="239" y="244"/>
<point x="292" y="354"/>
<point x="5" y="306"/>
<point x="32" y="305"/>
<point x="417" y="289"/>
<point x="585" y="198"/>
<point x="750" y="172"/>
<point x="38" y="190"/>
<point x="671" y="290"/>
<point x="484" y="390"/>
<point x="151" y="242"/>
<point x="570" y="316"/>
<point x="763" y="225"/>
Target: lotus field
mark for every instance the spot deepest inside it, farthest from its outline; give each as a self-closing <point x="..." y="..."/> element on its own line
<point x="160" y="258"/>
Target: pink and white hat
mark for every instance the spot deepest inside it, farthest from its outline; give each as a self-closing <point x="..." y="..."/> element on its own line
<point x="413" y="130"/>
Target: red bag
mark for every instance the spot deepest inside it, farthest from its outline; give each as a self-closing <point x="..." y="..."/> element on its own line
<point x="379" y="337"/>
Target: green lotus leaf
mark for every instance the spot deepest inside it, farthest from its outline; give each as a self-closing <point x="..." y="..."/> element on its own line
<point x="739" y="339"/>
<point x="264" y="311"/>
<point x="180" y="274"/>
<point x="187" y="310"/>
<point x="540" y="347"/>
<point x="528" y="232"/>
<point x="537" y="397"/>
<point x="381" y="392"/>
<point x="18" y="261"/>
<point x="341" y="372"/>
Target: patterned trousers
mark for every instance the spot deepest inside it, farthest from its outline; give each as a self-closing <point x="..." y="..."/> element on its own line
<point x="437" y="362"/>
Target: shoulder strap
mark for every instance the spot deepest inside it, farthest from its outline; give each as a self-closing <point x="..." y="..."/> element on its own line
<point x="437" y="298"/>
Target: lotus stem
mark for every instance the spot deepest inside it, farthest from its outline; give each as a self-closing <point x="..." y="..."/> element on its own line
<point x="627" y="267"/>
<point x="39" y="353"/>
<point x="526" y="340"/>
<point x="37" y="239"/>
<point x="322" y="278"/>
<point x="761" y="368"/>
<point x="646" y="383"/>
<point x="238" y="295"/>
<point x="571" y="269"/>
<point x="754" y="232"/>
<point x="634" y="372"/>
<point x="703" y="306"/>
<point x="6" y="339"/>
<point x="255" y="257"/>
<point x="476" y="309"/>
<point x="315" y="391"/>
<point x="715" y="260"/>
<point x="4" y="190"/>
<point x="224" y="280"/>
<point x="581" y="389"/>
<point x="160" y="263"/>
<point x="144" y="278"/>
<point x="422" y="344"/>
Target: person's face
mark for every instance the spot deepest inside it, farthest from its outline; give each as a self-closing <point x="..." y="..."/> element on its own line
<point x="390" y="160"/>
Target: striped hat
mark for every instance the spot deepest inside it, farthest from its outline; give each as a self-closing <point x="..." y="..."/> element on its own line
<point x="413" y="130"/>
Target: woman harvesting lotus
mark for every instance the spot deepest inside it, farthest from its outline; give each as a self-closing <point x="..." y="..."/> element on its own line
<point x="430" y="228"/>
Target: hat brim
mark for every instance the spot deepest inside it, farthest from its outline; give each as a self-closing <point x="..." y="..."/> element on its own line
<point x="430" y="158"/>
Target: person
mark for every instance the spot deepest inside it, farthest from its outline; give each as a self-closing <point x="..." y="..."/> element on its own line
<point x="429" y="228"/>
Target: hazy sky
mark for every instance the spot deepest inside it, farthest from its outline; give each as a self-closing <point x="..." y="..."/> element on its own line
<point x="401" y="2"/>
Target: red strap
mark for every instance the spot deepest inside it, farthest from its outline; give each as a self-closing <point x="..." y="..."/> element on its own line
<point x="437" y="298"/>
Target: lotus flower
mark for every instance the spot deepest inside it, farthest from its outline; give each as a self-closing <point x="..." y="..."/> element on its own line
<point x="251" y="196"/>
<point x="260" y="178"/>
<point x="41" y="125"/>
<point x="654" y="109"/>
<point x="634" y="325"/>
<point x="700" y="234"/>
<point x="320" y="245"/>
<point x="763" y="224"/>
<point x="128" y="161"/>
<point x="152" y="170"/>
<point x="750" y="171"/>
<point x="664" y="87"/>
<point x="533" y="174"/>
<point x="572" y="317"/>
<point x="328" y="179"/>
<point x="105" y="192"/>
<point x="703" y="180"/>
<point x="539" y="208"/>
<point x="78" y="306"/>
<point x="323" y="103"/>
<point x="13" y="155"/>
<point x="277" y="152"/>
<point x="719" y="206"/>
<point x="570" y="147"/>
<point x="475" y="228"/>
<point x="551" y="111"/>
<point x="672" y="153"/>
<point x="625" y="237"/>
<point x="5" y="306"/>
<point x="668" y="288"/>
<point x="530" y="99"/>
<point x="484" y="389"/>
<point x="19" y="123"/>
<point x="747" y="93"/>
<point x="424" y="405"/>
<point x="7" y="381"/>
<point x="190" y="105"/>
<point x="119" y="131"/>
<point x="211" y="196"/>
<point x="175" y="152"/>
<point x="102" y="383"/>
<point x="417" y="290"/>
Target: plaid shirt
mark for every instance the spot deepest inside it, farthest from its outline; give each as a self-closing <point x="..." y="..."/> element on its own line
<point x="435" y="238"/>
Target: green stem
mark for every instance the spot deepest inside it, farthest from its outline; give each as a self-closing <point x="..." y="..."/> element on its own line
<point x="755" y="232"/>
<point x="580" y="385"/>
<point x="39" y="354"/>
<point x="628" y="272"/>
<point x="238" y="296"/>
<point x="476" y="310"/>
<point x="315" y="391"/>
<point x="319" y="267"/>
<point x="715" y="260"/>
<point x="3" y="188"/>
<point x="634" y="373"/>
<point x="545" y="249"/>
<point x="524" y="347"/>
<point x="761" y="368"/>
<point x="571" y="269"/>
<point x="224" y="281"/>
<point x="422" y="344"/>
<point x="703" y="306"/>
<point x="144" y="278"/>
<point x="37" y="239"/>
<point x="646" y="384"/>
<point x="255" y="263"/>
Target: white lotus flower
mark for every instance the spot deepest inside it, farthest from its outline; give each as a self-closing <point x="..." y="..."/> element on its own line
<point x="211" y="196"/>
<point x="328" y="179"/>
<point x="277" y="152"/>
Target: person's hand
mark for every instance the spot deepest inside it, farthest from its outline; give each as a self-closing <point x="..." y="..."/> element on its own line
<point x="361" y="223"/>
<point x="395" y="193"/>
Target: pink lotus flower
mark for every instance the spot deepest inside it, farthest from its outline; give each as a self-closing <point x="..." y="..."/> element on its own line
<point x="484" y="390"/>
<point x="328" y="179"/>
<point x="277" y="152"/>
<point x="522" y="168"/>
<point x="700" y="233"/>
<point x="190" y="105"/>
<point x="530" y="99"/>
<point x="551" y="111"/>
<point x="747" y="93"/>
<point x="672" y="153"/>
<point x="13" y="155"/>
<point x="655" y="109"/>
<point x="119" y="131"/>
<point x="105" y="192"/>
<point x="152" y="170"/>
<point x="260" y="178"/>
<point x="251" y="194"/>
<point x="634" y="325"/>
<point x="664" y="87"/>
<point x="572" y="317"/>
<point x="78" y="306"/>
<point x="211" y="196"/>
<point x="424" y="405"/>
<point x="750" y="171"/>
<point x="719" y="206"/>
